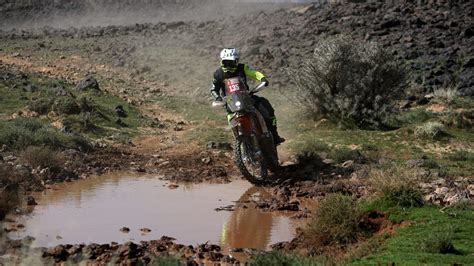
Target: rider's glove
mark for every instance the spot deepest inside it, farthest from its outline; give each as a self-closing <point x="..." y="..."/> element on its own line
<point x="265" y="80"/>
<point x="218" y="99"/>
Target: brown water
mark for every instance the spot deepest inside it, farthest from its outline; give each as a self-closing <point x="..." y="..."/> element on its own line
<point x="93" y="211"/>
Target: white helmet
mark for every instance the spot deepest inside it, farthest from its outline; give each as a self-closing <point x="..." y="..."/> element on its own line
<point x="230" y="54"/>
<point x="229" y="59"/>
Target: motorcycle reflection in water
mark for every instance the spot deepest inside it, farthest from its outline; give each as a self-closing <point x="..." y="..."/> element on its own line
<point x="251" y="227"/>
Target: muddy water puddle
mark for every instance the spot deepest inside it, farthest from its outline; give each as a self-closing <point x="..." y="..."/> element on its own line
<point x="94" y="211"/>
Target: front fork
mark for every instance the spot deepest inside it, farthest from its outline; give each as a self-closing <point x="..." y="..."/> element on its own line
<point x="244" y="131"/>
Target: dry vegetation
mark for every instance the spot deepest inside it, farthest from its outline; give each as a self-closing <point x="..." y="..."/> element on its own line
<point x="351" y="82"/>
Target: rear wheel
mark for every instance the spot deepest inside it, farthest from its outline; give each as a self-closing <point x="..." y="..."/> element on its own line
<point x="254" y="170"/>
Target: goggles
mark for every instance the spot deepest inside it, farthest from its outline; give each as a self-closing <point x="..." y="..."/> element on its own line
<point x="229" y="63"/>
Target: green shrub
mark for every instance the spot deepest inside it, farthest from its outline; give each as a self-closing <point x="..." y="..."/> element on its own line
<point x="459" y="118"/>
<point x="432" y="130"/>
<point x="24" y="132"/>
<point x="41" y="106"/>
<point x="343" y="154"/>
<point x="66" y="105"/>
<point x="280" y="258"/>
<point x="350" y="82"/>
<point x="336" y="220"/>
<point x="462" y="155"/>
<point x="419" y="115"/>
<point x="439" y="241"/>
<point x="404" y="195"/>
<point x="42" y="157"/>
<point x="396" y="186"/>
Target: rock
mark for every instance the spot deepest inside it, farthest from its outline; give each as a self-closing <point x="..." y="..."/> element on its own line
<point x="9" y="158"/>
<point x="23" y="169"/>
<point x="414" y="163"/>
<point x="88" y="83"/>
<point x="31" y="201"/>
<point x="469" y="63"/>
<point x="206" y="160"/>
<point x="390" y="24"/>
<point x="145" y="230"/>
<point x="60" y="91"/>
<point x="128" y="249"/>
<point x="454" y="198"/>
<point x="225" y="208"/>
<point x="124" y="229"/>
<point x="328" y="161"/>
<point x="59" y="253"/>
<point x="219" y="145"/>
<point x="468" y="33"/>
<point x="405" y="104"/>
<point x="348" y="164"/>
<point x="120" y="111"/>
<point x="442" y="190"/>
<point x="470" y="189"/>
<point x="31" y="88"/>
<point x="173" y="186"/>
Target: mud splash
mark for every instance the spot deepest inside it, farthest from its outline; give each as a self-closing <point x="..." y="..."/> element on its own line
<point x="94" y="211"/>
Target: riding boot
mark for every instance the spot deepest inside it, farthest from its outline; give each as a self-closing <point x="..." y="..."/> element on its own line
<point x="273" y="129"/>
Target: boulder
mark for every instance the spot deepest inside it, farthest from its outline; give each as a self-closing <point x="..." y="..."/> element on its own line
<point x="88" y="83"/>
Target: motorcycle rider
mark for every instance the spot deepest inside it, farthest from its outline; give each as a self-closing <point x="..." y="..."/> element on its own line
<point x="230" y="68"/>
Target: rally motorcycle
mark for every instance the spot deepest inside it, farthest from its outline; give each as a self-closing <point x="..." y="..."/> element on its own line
<point x="254" y="150"/>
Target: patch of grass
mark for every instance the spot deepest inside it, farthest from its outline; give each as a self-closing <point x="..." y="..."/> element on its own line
<point x="280" y="258"/>
<point x="335" y="221"/>
<point x="191" y="109"/>
<point x="414" y="116"/>
<point x="42" y="157"/>
<point x="439" y="241"/>
<point x="431" y="130"/>
<point x="24" y="132"/>
<point x="404" y="247"/>
<point x="89" y="112"/>
<point x="459" y="118"/>
<point x="462" y="155"/>
<point x="342" y="154"/>
<point x="365" y="248"/>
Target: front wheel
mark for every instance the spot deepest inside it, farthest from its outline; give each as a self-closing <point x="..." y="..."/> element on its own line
<point x="253" y="169"/>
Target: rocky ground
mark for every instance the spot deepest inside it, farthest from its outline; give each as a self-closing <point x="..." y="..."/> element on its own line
<point x="435" y="40"/>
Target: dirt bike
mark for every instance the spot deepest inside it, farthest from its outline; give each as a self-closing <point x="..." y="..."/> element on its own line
<point x="254" y="150"/>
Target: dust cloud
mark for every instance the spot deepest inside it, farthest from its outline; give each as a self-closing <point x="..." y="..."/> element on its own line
<point x="28" y="14"/>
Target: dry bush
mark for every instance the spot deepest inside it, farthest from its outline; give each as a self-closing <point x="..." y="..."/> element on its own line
<point x="432" y="130"/>
<point x="335" y="221"/>
<point x="396" y="185"/>
<point x="459" y="118"/>
<point x="350" y="82"/>
<point x="42" y="157"/>
<point x="446" y="95"/>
